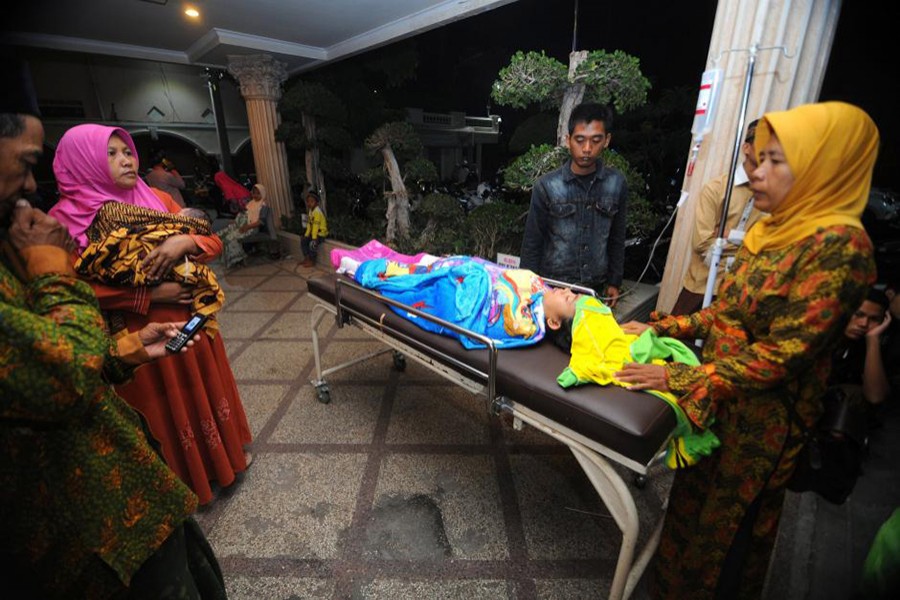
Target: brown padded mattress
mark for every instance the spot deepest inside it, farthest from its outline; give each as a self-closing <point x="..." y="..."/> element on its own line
<point x="633" y="424"/>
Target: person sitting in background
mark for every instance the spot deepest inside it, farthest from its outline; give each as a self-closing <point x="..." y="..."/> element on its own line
<point x="858" y="384"/>
<point x="89" y="509"/>
<point x="247" y="222"/>
<point x="202" y="432"/>
<point x="892" y="336"/>
<point x="234" y="195"/>
<point x="316" y="229"/>
<point x="857" y="363"/>
<point x="164" y="176"/>
<point x="741" y="216"/>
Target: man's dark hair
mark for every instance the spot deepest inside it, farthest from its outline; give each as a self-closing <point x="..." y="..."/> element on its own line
<point x="314" y="195"/>
<point x="562" y="337"/>
<point x="157" y="156"/>
<point x="878" y="296"/>
<point x="585" y="113"/>
<point x="11" y="125"/>
<point x="751" y="131"/>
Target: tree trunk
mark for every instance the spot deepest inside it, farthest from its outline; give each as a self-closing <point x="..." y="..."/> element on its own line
<point x="571" y="97"/>
<point x="313" y="172"/>
<point x="398" y="199"/>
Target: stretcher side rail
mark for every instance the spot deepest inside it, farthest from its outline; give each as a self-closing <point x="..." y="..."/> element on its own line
<point x="366" y="310"/>
<point x="490" y="376"/>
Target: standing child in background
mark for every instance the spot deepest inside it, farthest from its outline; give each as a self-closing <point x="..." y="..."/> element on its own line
<point x="316" y="229"/>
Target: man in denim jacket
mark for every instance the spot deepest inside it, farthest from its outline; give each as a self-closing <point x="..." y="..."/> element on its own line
<point x="575" y="230"/>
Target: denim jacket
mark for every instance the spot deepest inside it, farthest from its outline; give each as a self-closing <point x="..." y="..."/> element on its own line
<point x="576" y="233"/>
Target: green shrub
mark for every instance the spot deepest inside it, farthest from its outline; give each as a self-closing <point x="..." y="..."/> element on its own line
<point x="495" y="227"/>
<point x="438" y="219"/>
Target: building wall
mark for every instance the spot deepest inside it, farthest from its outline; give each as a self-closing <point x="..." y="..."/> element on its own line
<point x="135" y="94"/>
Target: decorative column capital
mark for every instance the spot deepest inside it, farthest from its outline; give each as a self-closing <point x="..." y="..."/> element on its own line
<point x="260" y="76"/>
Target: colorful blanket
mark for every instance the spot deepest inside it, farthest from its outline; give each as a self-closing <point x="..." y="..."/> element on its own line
<point x="502" y="304"/>
<point x="347" y="261"/>
<point x="600" y="348"/>
<point x="121" y="235"/>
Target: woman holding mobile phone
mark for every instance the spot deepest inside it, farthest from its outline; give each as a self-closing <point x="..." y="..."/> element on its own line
<point x="190" y="401"/>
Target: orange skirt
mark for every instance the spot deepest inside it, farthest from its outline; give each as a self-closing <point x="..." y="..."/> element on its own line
<point x="192" y="407"/>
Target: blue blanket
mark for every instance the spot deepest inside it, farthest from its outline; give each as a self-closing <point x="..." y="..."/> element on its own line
<point x="502" y="304"/>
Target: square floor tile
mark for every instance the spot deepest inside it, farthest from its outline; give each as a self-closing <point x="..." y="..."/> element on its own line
<point x="265" y="588"/>
<point x="285" y="282"/>
<point x="238" y="282"/>
<point x="475" y="589"/>
<point x="290" y="505"/>
<point x="438" y="414"/>
<point x="350" y="417"/>
<point x="562" y="514"/>
<point x="462" y="495"/>
<point x="296" y="325"/>
<point x="272" y="360"/>
<point x="243" y="325"/>
<point x="558" y="589"/>
<point x="260" y="401"/>
<point x="262" y="301"/>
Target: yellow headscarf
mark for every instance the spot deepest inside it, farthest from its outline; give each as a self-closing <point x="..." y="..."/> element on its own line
<point x="831" y="148"/>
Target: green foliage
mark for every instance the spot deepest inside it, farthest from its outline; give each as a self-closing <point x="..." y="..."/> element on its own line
<point x="351" y="230"/>
<point x="495" y="227"/>
<point x="293" y="135"/>
<point x="439" y="219"/>
<point x="525" y="169"/>
<point x="642" y="217"/>
<point x="535" y="78"/>
<point x="613" y="79"/>
<point x="420" y="169"/>
<point x="373" y="176"/>
<point x="400" y="136"/>
<point x="532" y="78"/>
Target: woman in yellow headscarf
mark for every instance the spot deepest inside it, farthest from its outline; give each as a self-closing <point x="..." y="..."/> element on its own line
<point x="768" y="340"/>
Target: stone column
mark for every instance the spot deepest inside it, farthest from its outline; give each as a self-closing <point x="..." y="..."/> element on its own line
<point x="794" y="39"/>
<point x="260" y="77"/>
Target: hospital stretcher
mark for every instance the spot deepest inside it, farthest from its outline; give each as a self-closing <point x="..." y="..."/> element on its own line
<point x="598" y="424"/>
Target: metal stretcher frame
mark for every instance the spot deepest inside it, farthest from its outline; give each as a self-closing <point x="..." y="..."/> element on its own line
<point x="591" y="456"/>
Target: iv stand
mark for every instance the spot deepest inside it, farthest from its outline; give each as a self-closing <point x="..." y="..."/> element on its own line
<point x="719" y="245"/>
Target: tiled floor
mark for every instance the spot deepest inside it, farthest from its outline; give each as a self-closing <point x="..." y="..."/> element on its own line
<point x="402" y="487"/>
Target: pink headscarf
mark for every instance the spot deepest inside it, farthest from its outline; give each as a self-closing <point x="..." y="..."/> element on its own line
<point x="82" y="173"/>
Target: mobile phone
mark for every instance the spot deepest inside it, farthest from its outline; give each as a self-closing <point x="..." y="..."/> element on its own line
<point x="187" y="332"/>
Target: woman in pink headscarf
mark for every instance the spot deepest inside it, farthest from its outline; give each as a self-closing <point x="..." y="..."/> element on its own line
<point x="190" y="401"/>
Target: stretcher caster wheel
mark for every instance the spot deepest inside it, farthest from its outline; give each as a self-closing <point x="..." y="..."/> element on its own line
<point x="639" y="481"/>
<point x="323" y="394"/>
<point x="399" y="361"/>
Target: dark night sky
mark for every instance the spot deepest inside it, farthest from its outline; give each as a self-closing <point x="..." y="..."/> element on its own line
<point x="459" y="62"/>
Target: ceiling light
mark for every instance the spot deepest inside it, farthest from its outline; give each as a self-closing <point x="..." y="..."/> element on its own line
<point x="192" y="12"/>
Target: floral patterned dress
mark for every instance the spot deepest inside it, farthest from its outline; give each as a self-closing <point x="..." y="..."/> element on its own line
<point x="83" y="497"/>
<point x="768" y="340"/>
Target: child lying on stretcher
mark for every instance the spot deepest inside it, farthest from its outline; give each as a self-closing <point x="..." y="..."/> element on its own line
<point x="515" y="307"/>
<point x="122" y="235"/>
<point x="506" y="305"/>
<point x="599" y="348"/>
